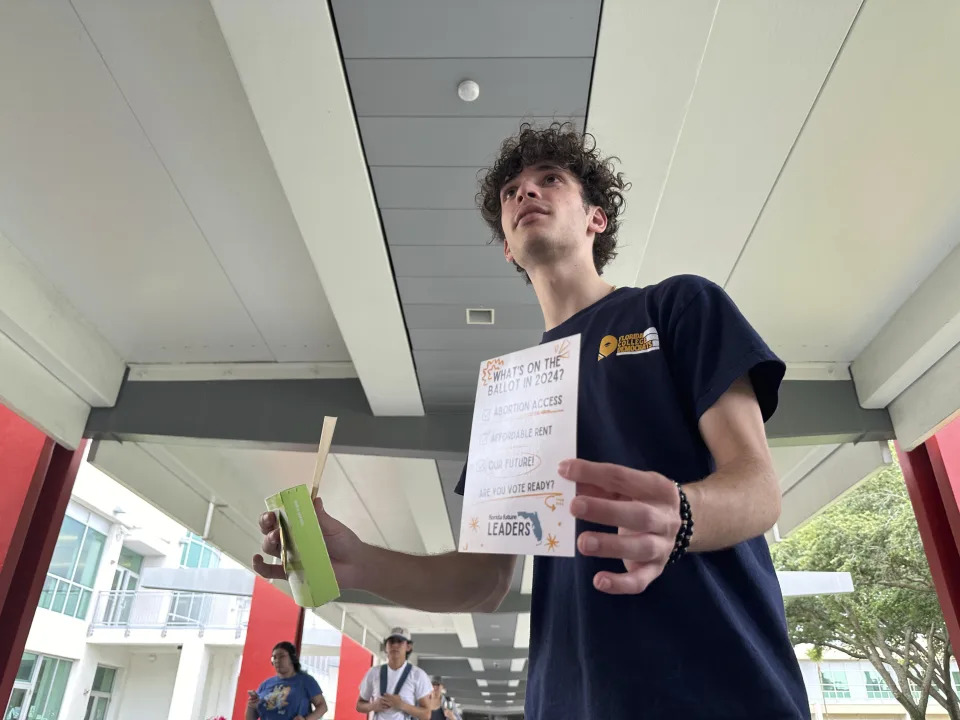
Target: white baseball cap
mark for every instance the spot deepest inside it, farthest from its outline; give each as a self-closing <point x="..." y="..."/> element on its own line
<point x="400" y="632"/>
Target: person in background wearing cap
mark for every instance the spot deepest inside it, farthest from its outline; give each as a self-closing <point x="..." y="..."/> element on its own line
<point x="396" y="690"/>
<point x="441" y="707"/>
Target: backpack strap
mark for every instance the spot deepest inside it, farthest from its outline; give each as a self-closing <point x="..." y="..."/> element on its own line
<point x="403" y="678"/>
<point x="383" y="679"/>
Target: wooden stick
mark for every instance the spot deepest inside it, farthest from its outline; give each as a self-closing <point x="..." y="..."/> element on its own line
<point x="326" y="438"/>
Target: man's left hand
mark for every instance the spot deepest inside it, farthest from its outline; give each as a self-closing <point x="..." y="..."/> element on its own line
<point x="643" y="506"/>
<point x="394" y="701"/>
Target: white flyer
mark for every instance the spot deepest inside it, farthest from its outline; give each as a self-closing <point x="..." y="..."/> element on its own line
<point x="524" y="425"/>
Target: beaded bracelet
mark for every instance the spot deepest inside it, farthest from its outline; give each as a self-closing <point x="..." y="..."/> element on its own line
<point x="686" y="528"/>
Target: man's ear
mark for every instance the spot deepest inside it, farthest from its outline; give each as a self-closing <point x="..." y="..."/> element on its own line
<point x="506" y="252"/>
<point x="597" y="220"/>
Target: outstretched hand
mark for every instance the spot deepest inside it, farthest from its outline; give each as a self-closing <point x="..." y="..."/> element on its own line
<point x="343" y="546"/>
<point x="645" y="509"/>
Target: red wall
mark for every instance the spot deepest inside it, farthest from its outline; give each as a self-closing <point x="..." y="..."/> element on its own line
<point x="36" y="478"/>
<point x="273" y="617"/>
<point x="355" y="660"/>
<point x="24" y="457"/>
<point x="932" y="475"/>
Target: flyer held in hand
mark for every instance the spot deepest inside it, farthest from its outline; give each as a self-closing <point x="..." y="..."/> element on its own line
<point x="524" y="425"/>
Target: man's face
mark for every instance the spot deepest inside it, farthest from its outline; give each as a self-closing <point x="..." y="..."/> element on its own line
<point x="397" y="648"/>
<point x="544" y="218"/>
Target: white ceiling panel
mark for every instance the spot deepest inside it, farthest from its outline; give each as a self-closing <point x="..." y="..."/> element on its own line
<point x="867" y="204"/>
<point x="84" y="196"/>
<point x="513" y="87"/>
<point x="654" y="48"/>
<point x="378" y="483"/>
<point x="761" y="71"/>
<point x="435" y="227"/>
<point x="173" y="67"/>
<point x="493" y="28"/>
<point x="439" y="141"/>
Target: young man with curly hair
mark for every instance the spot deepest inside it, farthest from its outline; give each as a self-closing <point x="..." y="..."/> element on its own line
<point x="671" y="607"/>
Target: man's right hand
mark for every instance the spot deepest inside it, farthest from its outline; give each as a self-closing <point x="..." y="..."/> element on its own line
<point x="380" y="704"/>
<point x="343" y="546"/>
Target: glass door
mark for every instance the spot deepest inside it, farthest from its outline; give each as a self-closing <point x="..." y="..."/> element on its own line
<point x="99" y="698"/>
<point x="96" y="707"/>
<point x="126" y="579"/>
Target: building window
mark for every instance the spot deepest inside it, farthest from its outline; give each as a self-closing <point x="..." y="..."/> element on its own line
<point x="73" y="569"/>
<point x="99" y="698"/>
<point x="834" y="684"/>
<point x="187" y="608"/>
<point x="877" y="687"/>
<point x="955" y="676"/>
<point x="38" y="688"/>
<point x="198" y="554"/>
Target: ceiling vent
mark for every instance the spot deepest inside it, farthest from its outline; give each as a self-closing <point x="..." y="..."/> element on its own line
<point x="479" y="316"/>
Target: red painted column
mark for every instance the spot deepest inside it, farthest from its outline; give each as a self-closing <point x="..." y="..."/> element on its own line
<point x="355" y="660"/>
<point x="932" y="475"/>
<point x="36" y="479"/>
<point x="274" y="617"/>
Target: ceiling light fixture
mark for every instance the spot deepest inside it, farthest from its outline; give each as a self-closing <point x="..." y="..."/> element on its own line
<point x="468" y="90"/>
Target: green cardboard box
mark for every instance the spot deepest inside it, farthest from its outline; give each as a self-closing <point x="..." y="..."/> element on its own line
<point x="303" y="551"/>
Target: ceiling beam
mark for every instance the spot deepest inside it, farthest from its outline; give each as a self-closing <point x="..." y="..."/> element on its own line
<point x="31" y="391"/>
<point x="449" y="645"/>
<point x="823" y="412"/>
<point x="282" y="414"/>
<point x="35" y="316"/>
<point x="514" y="601"/>
<point x="289" y="62"/>
<point x="288" y="414"/>
<point x="921" y="332"/>
<point x="929" y="403"/>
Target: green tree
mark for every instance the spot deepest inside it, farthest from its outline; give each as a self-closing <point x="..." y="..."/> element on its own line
<point x="892" y="618"/>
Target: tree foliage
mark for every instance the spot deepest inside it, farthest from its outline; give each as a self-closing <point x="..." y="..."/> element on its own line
<point x="892" y="618"/>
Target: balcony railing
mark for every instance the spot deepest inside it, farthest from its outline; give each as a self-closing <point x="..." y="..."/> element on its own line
<point x="165" y="610"/>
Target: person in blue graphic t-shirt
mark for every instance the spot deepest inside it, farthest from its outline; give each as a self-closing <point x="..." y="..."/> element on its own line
<point x="671" y="601"/>
<point x="290" y="694"/>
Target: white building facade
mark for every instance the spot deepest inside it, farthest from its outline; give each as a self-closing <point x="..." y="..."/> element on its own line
<point x="103" y="647"/>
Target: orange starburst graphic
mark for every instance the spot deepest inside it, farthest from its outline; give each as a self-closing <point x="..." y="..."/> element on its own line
<point x="562" y="349"/>
<point x="475" y="524"/>
<point x="489" y="368"/>
<point x="552" y="543"/>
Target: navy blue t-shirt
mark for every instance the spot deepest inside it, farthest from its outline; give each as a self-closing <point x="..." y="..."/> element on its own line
<point x="285" y="698"/>
<point x="708" y="638"/>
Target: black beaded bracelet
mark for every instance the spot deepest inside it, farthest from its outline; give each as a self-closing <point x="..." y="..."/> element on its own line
<point x="685" y="532"/>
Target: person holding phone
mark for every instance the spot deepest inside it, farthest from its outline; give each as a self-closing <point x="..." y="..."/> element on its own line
<point x="290" y="694"/>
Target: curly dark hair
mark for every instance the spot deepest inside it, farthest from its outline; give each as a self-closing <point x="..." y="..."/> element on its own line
<point x="563" y="145"/>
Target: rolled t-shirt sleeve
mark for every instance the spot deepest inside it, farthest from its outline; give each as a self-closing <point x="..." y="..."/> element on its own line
<point x="366" y="685"/>
<point x="710" y="344"/>
<point x="424" y="686"/>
